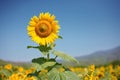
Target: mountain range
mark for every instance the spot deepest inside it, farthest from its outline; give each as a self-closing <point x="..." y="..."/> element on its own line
<point x="100" y="57"/>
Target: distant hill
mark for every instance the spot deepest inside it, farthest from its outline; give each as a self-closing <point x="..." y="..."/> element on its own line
<point x="23" y="64"/>
<point x="100" y="57"/>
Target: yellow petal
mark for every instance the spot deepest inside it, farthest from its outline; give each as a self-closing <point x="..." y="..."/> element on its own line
<point x="42" y="41"/>
<point x="30" y="28"/>
<point x="51" y="19"/>
<point x="32" y="23"/>
<point x="47" y="15"/>
<point x="41" y="15"/>
<point x="35" y="18"/>
<point x="32" y="33"/>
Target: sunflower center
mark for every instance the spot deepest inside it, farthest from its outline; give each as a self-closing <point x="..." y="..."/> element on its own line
<point x="43" y="29"/>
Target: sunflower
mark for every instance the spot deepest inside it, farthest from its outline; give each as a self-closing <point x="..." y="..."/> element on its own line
<point x="43" y="29"/>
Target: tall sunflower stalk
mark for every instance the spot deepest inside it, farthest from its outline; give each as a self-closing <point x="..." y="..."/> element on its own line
<point x="44" y="30"/>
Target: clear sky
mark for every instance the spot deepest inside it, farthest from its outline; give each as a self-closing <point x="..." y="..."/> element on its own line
<point x="86" y="26"/>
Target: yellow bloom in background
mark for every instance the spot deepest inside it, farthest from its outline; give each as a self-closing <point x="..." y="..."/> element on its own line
<point x="20" y="69"/>
<point x="8" y="66"/>
<point x="92" y="67"/>
<point x="28" y="71"/>
<point x="17" y="76"/>
<point x="72" y="69"/>
<point x="43" y="29"/>
<point x="31" y="78"/>
<point x="61" y="69"/>
<point x="86" y="78"/>
<point x="114" y="78"/>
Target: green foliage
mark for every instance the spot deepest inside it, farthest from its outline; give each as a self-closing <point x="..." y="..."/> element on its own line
<point x="5" y="72"/>
<point x="37" y="66"/>
<point x="47" y="64"/>
<point x="40" y="60"/>
<point x="71" y="75"/>
<point x="43" y="63"/>
<point x="54" y="74"/>
<point x="116" y="62"/>
<point x="65" y="56"/>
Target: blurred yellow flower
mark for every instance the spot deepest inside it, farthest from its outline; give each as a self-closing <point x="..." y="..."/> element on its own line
<point x="8" y="66"/>
<point x="17" y="76"/>
<point x="86" y="78"/>
<point x="100" y="74"/>
<point x="21" y="69"/>
<point x="114" y="78"/>
<point x="31" y="78"/>
<point x="28" y="71"/>
<point x="92" y="67"/>
<point x="61" y="69"/>
<point x="43" y="29"/>
<point x="72" y="69"/>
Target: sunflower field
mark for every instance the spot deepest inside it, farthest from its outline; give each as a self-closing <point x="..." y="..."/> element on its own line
<point x="10" y="72"/>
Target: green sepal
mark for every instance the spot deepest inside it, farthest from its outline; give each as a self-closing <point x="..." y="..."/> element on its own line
<point x="60" y="37"/>
<point x="29" y="47"/>
<point x="44" y="49"/>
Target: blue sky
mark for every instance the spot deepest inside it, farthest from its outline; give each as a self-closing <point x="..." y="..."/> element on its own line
<point x="86" y="26"/>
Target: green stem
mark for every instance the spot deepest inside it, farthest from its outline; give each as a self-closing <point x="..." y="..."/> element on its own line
<point x="48" y="56"/>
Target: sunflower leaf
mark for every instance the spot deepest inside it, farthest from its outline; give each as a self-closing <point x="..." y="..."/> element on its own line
<point x="5" y="72"/>
<point x="47" y="64"/>
<point x="54" y="74"/>
<point x="39" y="60"/>
<point x="71" y="75"/>
<point x="37" y="66"/>
<point x="65" y="56"/>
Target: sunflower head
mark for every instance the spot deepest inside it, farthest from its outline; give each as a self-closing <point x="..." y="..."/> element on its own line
<point x="43" y="29"/>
